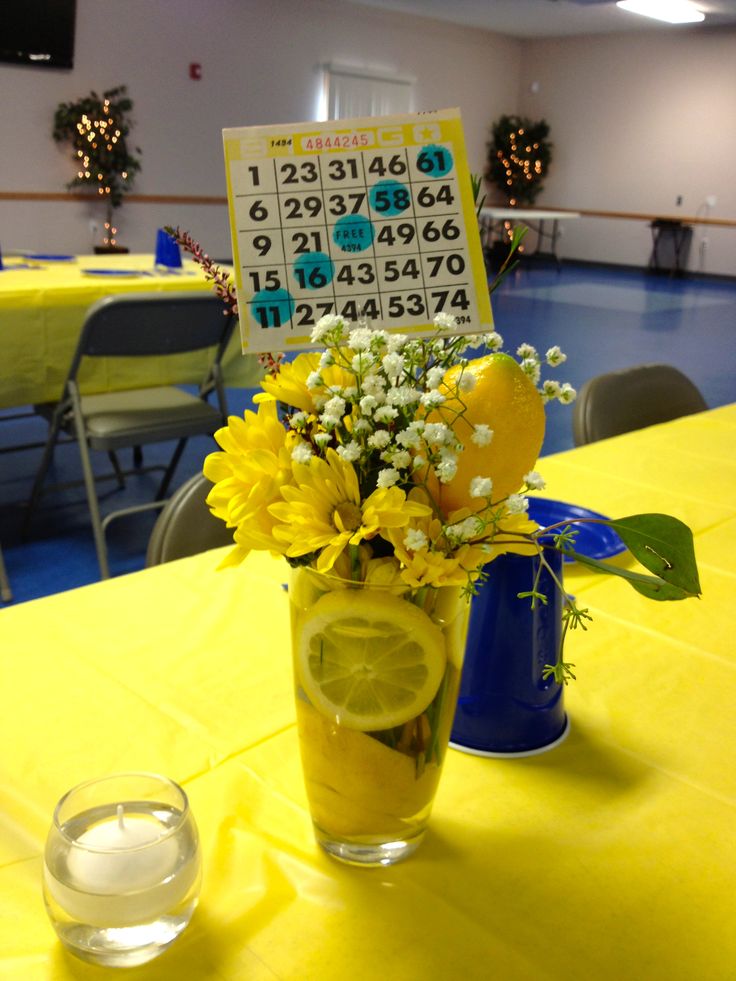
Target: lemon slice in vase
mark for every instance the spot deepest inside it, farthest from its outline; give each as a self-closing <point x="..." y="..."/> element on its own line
<point x="370" y="661"/>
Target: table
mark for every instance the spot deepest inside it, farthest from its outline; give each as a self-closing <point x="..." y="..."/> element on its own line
<point x="42" y="309"/>
<point x="491" y="218"/>
<point x="610" y="857"/>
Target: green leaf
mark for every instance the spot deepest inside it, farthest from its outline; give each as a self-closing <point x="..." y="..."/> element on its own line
<point x="664" y="546"/>
<point x="653" y="587"/>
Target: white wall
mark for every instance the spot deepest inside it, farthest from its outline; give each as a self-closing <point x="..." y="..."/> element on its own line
<point x="637" y="120"/>
<point x="259" y="65"/>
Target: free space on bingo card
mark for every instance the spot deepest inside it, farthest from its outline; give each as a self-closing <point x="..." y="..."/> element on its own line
<point x="367" y="218"/>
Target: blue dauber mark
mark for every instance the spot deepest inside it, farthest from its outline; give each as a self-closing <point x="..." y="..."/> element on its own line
<point x="313" y="270"/>
<point x="272" y="308"/>
<point x="353" y="233"/>
<point x="434" y="161"/>
<point x="389" y="198"/>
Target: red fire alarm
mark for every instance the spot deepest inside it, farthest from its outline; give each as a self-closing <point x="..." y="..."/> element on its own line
<point x="195" y="70"/>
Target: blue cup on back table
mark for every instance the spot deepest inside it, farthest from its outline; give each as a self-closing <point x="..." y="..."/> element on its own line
<point x="505" y="706"/>
<point x="168" y="253"/>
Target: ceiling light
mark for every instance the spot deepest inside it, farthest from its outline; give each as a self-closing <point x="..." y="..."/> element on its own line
<point x="672" y="11"/>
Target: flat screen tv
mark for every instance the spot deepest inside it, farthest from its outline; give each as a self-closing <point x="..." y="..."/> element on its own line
<point x="38" y="32"/>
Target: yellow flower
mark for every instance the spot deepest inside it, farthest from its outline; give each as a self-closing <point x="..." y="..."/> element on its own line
<point x="322" y="512"/>
<point x="289" y="386"/>
<point x="255" y="463"/>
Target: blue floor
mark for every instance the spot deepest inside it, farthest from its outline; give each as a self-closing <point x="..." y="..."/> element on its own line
<point x="602" y="318"/>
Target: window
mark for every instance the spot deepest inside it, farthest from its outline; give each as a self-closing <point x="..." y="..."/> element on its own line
<point x="352" y="92"/>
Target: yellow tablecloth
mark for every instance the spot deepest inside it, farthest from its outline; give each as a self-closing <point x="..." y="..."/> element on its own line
<point x="42" y="309"/>
<point x="610" y="857"/>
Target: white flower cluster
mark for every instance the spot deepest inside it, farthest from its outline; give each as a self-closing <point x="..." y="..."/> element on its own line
<point x="384" y="415"/>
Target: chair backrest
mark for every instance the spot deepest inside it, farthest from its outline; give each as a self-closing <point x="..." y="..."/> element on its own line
<point x="621" y="401"/>
<point x="145" y="324"/>
<point x="186" y="525"/>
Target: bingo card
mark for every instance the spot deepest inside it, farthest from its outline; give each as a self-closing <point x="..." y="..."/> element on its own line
<point x="368" y="218"/>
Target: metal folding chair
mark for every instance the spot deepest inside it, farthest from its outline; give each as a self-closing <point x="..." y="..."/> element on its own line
<point x="144" y="325"/>
<point x="186" y="526"/>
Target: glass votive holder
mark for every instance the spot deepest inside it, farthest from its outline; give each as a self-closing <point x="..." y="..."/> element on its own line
<point x="122" y="868"/>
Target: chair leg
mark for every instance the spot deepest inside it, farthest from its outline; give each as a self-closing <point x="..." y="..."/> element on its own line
<point x="89" y="483"/>
<point x="137" y="457"/>
<point x="5" y="592"/>
<point x="46" y="459"/>
<point x="166" y="480"/>
<point x="117" y="468"/>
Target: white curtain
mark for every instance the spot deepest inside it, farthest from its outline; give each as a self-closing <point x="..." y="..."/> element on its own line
<point x="353" y="92"/>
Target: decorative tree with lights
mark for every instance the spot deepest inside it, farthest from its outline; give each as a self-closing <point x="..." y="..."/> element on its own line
<point x="98" y="127"/>
<point x="519" y="155"/>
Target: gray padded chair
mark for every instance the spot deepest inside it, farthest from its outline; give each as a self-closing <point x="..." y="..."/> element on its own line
<point x="633" y="398"/>
<point x="152" y="325"/>
<point x="186" y="526"/>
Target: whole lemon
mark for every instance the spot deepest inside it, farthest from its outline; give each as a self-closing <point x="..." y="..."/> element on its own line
<point x="506" y="400"/>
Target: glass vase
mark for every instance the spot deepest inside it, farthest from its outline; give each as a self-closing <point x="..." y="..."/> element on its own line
<point x="376" y="673"/>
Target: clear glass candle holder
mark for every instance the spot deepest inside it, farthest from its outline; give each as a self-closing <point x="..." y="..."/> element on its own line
<point x="122" y="868"/>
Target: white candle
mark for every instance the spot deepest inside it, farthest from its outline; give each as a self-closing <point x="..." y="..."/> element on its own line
<point x="123" y="870"/>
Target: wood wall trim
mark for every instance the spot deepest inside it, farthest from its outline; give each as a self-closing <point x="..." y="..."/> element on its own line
<point x="222" y="200"/>
<point x="130" y="198"/>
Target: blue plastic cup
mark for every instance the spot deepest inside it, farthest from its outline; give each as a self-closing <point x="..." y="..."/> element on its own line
<point x="168" y="253"/>
<point x="505" y="706"/>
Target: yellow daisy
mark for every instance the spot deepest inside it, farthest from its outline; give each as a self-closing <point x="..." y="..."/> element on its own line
<point x="255" y="463"/>
<point x="321" y="510"/>
<point x="289" y="386"/>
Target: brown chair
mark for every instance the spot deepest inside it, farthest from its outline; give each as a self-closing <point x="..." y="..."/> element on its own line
<point x="633" y="398"/>
<point x="186" y="526"/>
<point x="139" y="325"/>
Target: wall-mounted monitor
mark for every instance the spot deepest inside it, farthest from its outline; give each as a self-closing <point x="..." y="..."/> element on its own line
<point x="38" y="32"/>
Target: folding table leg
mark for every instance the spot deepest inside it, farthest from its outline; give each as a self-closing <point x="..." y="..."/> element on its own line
<point x="5" y="592"/>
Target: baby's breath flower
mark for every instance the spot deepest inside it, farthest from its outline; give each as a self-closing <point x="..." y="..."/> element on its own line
<point x="362" y="362"/>
<point x="534" y="480"/>
<point x="434" y="376"/>
<point x="481" y="487"/>
<point x="385" y="413"/>
<point x="329" y="421"/>
<point x="415" y="540"/>
<point x="387" y="477"/>
<point x="482" y="435"/>
<point x="349" y="452"/>
<point x="393" y="365"/>
<point x="396" y="342"/>
<point x="298" y="420"/>
<point x="550" y="389"/>
<point x="419" y="461"/>
<point x="516" y="504"/>
<point x="324" y="325"/>
<point x="335" y="406"/>
<point x="322" y="439"/>
<point x="555" y="356"/>
<point x="409" y="438"/>
<point x="301" y="453"/>
<point x="430" y="400"/>
<point x="326" y="359"/>
<point x="493" y="340"/>
<point x="401" y="459"/>
<point x="446" y="469"/>
<point x="361" y="426"/>
<point x="444" y="321"/>
<point x="435" y="433"/>
<point x="360" y="339"/>
<point x="380" y="439"/>
<point x="367" y="404"/>
<point x="525" y="351"/>
<point x="375" y="385"/>
<point x="403" y="395"/>
<point x="467" y="382"/>
<point x="314" y="379"/>
<point x="567" y="394"/>
<point x="530" y="367"/>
